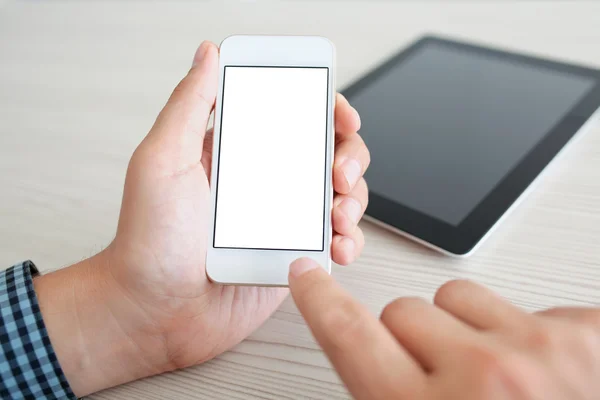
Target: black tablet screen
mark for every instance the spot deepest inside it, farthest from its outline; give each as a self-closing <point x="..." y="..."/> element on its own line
<point x="446" y="125"/>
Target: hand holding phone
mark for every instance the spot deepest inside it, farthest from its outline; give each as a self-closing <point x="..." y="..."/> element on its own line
<point x="153" y="273"/>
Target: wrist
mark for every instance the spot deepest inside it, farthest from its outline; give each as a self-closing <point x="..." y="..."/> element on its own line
<point x="99" y="338"/>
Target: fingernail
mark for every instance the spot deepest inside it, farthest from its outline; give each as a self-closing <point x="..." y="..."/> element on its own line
<point x="200" y="52"/>
<point x="352" y="209"/>
<point x="301" y="266"/>
<point x="352" y="171"/>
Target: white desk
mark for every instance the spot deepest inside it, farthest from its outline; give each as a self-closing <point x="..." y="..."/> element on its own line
<point x="81" y="84"/>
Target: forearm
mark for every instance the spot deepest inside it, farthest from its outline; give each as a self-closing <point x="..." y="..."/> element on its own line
<point x="88" y="322"/>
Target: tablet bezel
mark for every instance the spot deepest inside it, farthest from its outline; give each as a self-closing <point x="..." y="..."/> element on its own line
<point x="462" y="238"/>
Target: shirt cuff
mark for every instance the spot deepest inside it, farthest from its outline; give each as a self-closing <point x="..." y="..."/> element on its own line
<point x="28" y="365"/>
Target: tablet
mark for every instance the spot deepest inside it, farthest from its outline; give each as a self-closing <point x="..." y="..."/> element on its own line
<point x="458" y="132"/>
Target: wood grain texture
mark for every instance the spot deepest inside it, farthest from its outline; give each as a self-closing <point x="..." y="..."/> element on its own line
<point x="81" y="84"/>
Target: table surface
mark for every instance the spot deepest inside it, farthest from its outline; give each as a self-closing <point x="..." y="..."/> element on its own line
<point x="81" y="84"/>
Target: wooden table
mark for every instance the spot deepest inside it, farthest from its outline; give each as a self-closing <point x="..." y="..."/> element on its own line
<point x="81" y="84"/>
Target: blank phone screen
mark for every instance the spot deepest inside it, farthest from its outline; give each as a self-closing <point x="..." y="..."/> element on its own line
<point x="271" y="178"/>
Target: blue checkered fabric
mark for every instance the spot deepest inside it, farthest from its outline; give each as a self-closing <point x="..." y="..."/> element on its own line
<point x="29" y="368"/>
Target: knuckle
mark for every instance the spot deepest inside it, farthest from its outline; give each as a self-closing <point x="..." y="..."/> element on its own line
<point x="485" y="359"/>
<point x="150" y="157"/>
<point x="180" y="88"/>
<point x="139" y="155"/>
<point x="139" y="158"/>
<point x="181" y="91"/>
<point x="403" y="306"/>
<point x="190" y="88"/>
<point x="347" y="322"/>
<point x="541" y="338"/>
<point x="449" y="291"/>
<point x="497" y="372"/>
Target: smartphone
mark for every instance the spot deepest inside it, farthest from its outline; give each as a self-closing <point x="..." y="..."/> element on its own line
<point x="272" y="158"/>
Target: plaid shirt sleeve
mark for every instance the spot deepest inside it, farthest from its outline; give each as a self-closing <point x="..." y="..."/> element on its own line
<point x="29" y="368"/>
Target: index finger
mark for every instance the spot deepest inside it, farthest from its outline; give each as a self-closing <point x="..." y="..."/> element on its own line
<point x="367" y="357"/>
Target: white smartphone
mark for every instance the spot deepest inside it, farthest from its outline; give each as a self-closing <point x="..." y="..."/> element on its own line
<point x="272" y="158"/>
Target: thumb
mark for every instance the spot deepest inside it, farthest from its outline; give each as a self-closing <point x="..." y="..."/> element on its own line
<point x="181" y="125"/>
